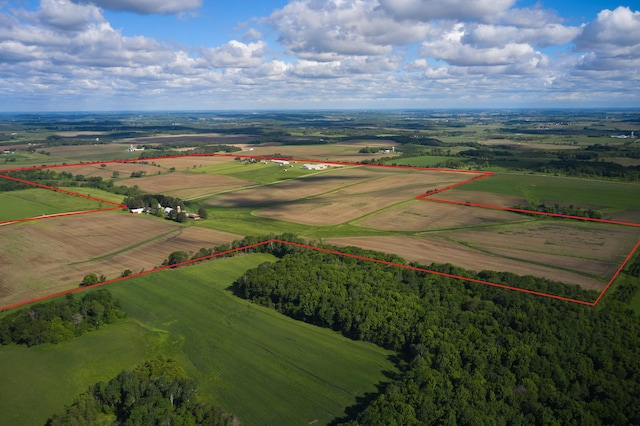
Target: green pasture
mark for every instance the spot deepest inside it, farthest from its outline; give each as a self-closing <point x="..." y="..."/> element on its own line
<point x="607" y="196"/>
<point x="256" y="363"/>
<point x="97" y="193"/>
<point x="37" y="202"/>
<point x="41" y="380"/>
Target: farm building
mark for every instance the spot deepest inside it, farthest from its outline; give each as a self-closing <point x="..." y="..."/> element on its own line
<point x="314" y="166"/>
<point x="280" y="162"/>
<point x="137" y="211"/>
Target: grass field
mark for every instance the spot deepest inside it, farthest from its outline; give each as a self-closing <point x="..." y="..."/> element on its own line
<point x="37" y="202"/>
<point x="608" y="196"/>
<point x="256" y="363"/>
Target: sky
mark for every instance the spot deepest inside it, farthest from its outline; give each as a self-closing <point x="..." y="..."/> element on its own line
<point x="130" y="55"/>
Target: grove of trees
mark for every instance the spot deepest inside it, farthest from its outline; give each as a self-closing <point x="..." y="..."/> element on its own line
<point x="154" y="393"/>
<point x="60" y="319"/>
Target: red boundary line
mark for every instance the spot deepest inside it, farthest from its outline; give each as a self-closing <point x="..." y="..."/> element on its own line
<point x="305" y="246"/>
<point x="425" y="197"/>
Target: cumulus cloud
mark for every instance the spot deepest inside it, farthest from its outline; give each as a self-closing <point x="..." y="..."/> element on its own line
<point x="612" y="40"/>
<point x="426" y="10"/>
<point x="146" y="7"/>
<point x="235" y="54"/>
<point x="451" y="48"/>
<point x="63" y="15"/>
<point x="326" y="30"/>
<point x="484" y="36"/>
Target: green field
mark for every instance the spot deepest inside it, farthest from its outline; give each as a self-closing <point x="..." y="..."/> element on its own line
<point x="254" y="362"/>
<point x="37" y="202"/>
<point x="97" y="193"/>
<point x="607" y="196"/>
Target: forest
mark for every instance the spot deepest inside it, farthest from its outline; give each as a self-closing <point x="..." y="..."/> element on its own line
<point x="472" y="354"/>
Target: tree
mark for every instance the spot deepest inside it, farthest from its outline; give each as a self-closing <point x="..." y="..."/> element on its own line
<point x="177" y="257"/>
<point x="181" y="217"/>
<point x="89" y="279"/>
<point x="202" y="212"/>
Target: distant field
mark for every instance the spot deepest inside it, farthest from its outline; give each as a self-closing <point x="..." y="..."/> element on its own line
<point x="616" y="199"/>
<point x="374" y="190"/>
<point x="37" y="202"/>
<point x="256" y="363"/>
<point x="423" y="161"/>
<point x="186" y="185"/>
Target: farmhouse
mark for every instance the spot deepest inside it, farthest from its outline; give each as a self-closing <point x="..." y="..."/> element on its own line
<point x="314" y="166"/>
<point x="280" y="162"/>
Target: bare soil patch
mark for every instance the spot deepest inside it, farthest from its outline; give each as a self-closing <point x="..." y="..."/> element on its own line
<point x="190" y="163"/>
<point x="607" y="243"/>
<point x="426" y="250"/>
<point x="480" y="197"/>
<point x="350" y="202"/>
<point x="45" y="257"/>
<point x="421" y="215"/>
<point x="186" y="185"/>
<point x="295" y="189"/>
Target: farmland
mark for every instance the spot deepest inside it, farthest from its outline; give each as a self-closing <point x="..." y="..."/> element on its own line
<point x="250" y="360"/>
<point x="267" y="368"/>
<point x="370" y="207"/>
<point x="37" y="202"/>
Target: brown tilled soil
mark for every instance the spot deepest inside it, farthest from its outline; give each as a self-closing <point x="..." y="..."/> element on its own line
<point x="480" y="197"/>
<point x="346" y="201"/>
<point x="421" y="215"/>
<point x="48" y="256"/>
<point x="427" y="250"/>
<point x="186" y="185"/>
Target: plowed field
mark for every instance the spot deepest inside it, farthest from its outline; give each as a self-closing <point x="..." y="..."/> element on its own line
<point x="44" y="257"/>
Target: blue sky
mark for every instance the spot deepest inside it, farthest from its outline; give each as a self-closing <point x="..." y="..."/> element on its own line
<point x="75" y="55"/>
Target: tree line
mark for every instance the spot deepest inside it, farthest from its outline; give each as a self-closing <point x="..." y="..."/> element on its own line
<point x="154" y="393"/>
<point x="556" y="208"/>
<point x="474" y="354"/>
<point x="61" y="319"/>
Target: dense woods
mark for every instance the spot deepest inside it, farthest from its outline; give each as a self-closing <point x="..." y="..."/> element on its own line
<point x="59" y="320"/>
<point x="474" y="354"/>
<point x="154" y="393"/>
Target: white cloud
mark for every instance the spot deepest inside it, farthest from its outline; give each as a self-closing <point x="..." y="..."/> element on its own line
<point x="484" y="35"/>
<point x="426" y="10"/>
<point x="146" y="7"/>
<point x="64" y="15"/>
<point x="326" y="30"/>
<point x="612" y="40"/>
<point x="235" y="54"/>
<point x="451" y="48"/>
